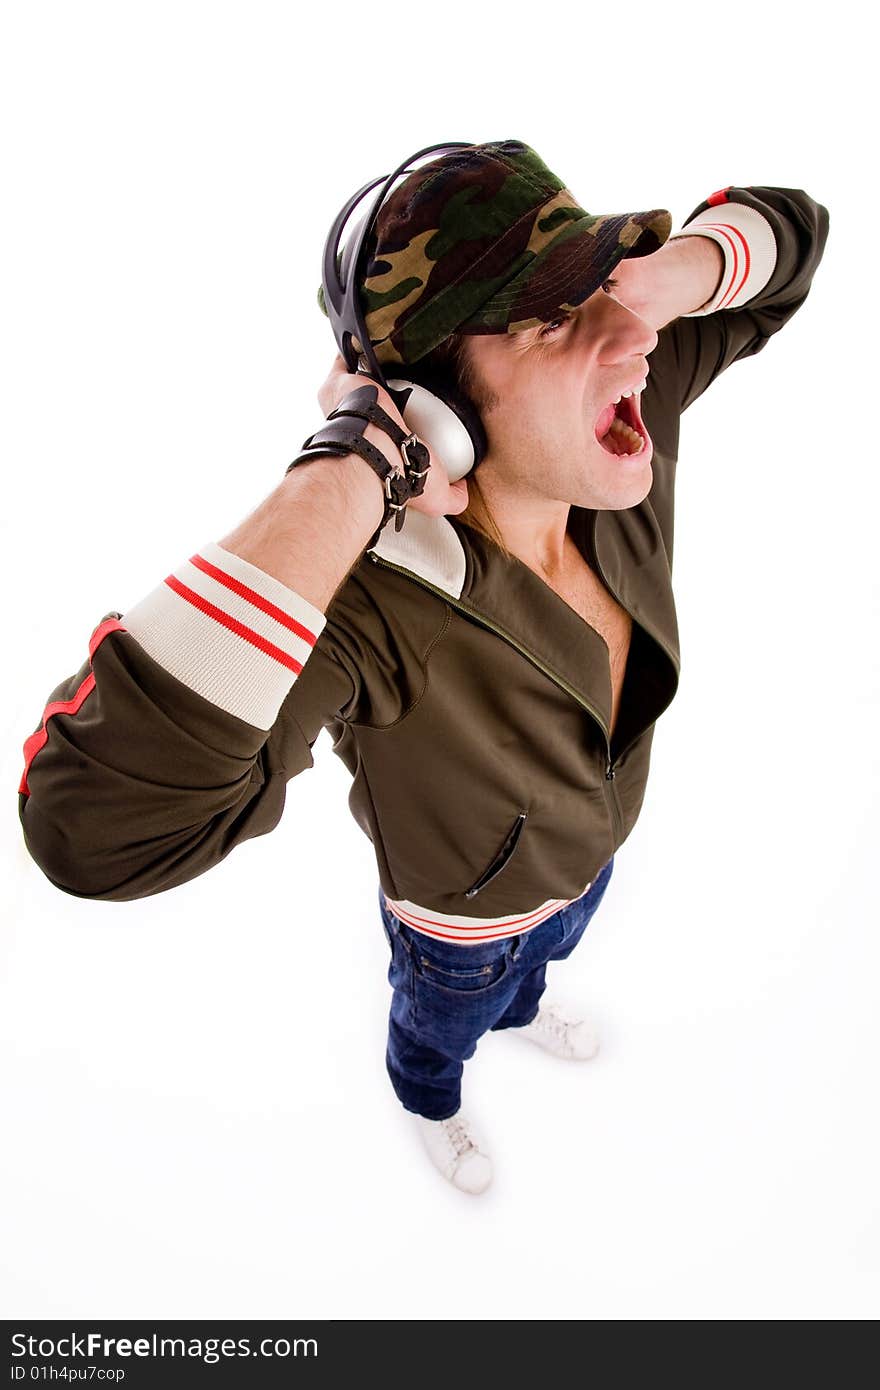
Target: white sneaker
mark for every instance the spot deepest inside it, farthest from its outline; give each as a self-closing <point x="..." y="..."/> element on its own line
<point x="457" y="1152"/>
<point x="561" y="1031"/>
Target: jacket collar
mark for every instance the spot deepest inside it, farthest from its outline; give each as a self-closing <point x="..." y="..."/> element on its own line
<point x="428" y="546"/>
<point x="513" y="599"/>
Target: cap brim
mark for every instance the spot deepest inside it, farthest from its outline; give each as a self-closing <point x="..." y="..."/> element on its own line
<point x="570" y="269"/>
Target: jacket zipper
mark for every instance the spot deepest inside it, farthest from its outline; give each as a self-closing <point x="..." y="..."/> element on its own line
<point x="501" y="857"/>
<point x="551" y="675"/>
<point x="484" y="622"/>
<point x="610" y="766"/>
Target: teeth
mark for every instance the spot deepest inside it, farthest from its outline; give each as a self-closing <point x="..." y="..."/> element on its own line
<point x="636" y="391"/>
<point x="621" y="427"/>
<point x="622" y="432"/>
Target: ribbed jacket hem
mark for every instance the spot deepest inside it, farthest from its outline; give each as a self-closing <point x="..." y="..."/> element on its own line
<point x="473" y="931"/>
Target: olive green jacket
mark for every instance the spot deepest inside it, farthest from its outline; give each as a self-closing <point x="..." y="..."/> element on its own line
<point x="470" y="703"/>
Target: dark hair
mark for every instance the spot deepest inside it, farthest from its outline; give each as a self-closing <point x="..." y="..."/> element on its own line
<point x="452" y="361"/>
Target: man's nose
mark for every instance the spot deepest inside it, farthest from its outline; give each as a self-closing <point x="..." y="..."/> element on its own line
<point x="640" y="336"/>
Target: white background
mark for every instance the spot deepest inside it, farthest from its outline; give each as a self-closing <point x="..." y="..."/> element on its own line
<point x="199" y="1122"/>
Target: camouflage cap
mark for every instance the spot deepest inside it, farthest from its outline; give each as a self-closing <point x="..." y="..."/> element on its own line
<point x="487" y="240"/>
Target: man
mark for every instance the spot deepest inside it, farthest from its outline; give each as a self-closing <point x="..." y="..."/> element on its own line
<point x="494" y="699"/>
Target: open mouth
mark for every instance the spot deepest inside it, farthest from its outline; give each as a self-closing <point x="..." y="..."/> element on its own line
<point x="624" y="431"/>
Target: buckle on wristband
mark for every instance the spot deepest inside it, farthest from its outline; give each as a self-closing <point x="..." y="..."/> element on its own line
<point x="419" y="451"/>
<point x="394" y="477"/>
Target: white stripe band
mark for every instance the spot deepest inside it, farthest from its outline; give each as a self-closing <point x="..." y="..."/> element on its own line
<point x="474" y="931"/>
<point x="229" y="631"/>
<point x="749" y="245"/>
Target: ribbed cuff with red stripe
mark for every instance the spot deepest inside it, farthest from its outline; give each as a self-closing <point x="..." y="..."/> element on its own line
<point x="749" y="247"/>
<point x="229" y="631"/>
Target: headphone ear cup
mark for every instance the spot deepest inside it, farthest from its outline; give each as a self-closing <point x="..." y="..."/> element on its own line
<point x="440" y="414"/>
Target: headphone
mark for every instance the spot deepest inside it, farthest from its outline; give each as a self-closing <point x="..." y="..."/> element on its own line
<point x="431" y="404"/>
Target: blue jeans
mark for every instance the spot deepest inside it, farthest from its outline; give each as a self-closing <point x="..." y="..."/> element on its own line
<point x="446" y="996"/>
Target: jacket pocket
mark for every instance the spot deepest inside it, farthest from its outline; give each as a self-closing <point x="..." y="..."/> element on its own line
<point x="502" y="857"/>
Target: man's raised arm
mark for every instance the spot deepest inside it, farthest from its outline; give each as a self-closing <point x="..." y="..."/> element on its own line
<point x="162" y="752"/>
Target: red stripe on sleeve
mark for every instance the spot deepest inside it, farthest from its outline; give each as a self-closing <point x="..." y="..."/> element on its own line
<point x="36" y="741"/>
<point x="247" y="633"/>
<point x="742" y="260"/>
<point x="253" y="597"/>
<point x="100" y="632"/>
<point x="33" y="744"/>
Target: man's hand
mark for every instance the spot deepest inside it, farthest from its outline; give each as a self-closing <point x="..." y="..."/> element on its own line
<point x="440" y="497"/>
<point x="332" y="391"/>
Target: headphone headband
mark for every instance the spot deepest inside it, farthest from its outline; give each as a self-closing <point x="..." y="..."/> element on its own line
<point x="340" y="275"/>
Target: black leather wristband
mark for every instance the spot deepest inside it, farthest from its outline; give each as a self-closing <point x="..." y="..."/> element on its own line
<point x="342" y="435"/>
<point x="340" y="451"/>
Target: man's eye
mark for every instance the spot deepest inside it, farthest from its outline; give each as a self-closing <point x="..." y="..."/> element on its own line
<point x="551" y="327"/>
